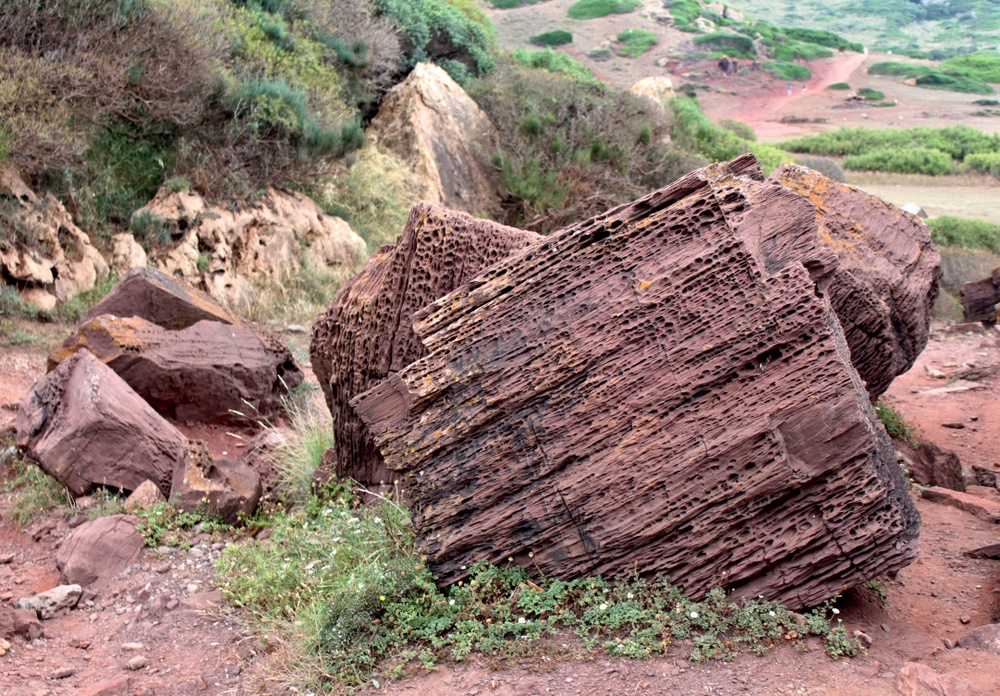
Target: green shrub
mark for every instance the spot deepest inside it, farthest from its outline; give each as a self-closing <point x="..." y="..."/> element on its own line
<point x="635" y="42"/>
<point x="933" y="78"/>
<point x="12" y="306"/>
<point x="735" y="45"/>
<point x="742" y="130"/>
<point x="592" y="9"/>
<point x="790" y="51"/>
<point x="684" y="13"/>
<point x="441" y="31"/>
<point x="74" y="309"/>
<point x="823" y="38"/>
<point x="917" y="160"/>
<point x="553" y="61"/>
<point x="841" y="86"/>
<point x="34" y="491"/>
<point x="826" y="167"/>
<point x="792" y="72"/>
<point x="986" y="102"/>
<point x="149" y="230"/>
<point x="894" y="423"/>
<point x="869" y="94"/>
<point x="965" y="233"/>
<point x="985" y="163"/>
<point x="957" y="141"/>
<point x="557" y="37"/>
<point x="983" y="66"/>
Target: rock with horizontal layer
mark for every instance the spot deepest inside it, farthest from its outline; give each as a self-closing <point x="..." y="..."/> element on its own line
<point x="367" y="332"/>
<point x="87" y="428"/>
<point x="222" y="489"/>
<point x="885" y="287"/>
<point x="99" y="550"/>
<point x="661" y="390"/>
<point x="207" y="373"/>
<point x="168" y="302"/>
<point x="47" y="604"/>
<point x="929" y="465"/>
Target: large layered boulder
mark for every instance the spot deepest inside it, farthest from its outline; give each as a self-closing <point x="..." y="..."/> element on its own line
<point x="885" y="287"/>
<point x="663" y="390"/>
<point x="432" y="124"/>
<point x="168" y="302"/>
<point x="86" y="427"/>
<point x="367" y="332"/>
<point x="218" y="248"/>
<point x="42" y="251"/>
<point x="207" y="373"/>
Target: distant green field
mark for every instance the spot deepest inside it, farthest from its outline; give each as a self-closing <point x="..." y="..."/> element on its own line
<point x="932" y="30"/>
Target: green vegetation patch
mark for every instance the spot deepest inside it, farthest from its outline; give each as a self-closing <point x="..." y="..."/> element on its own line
<point x="735" y="45"/>
<point x="559" y="37"/>
<point x="792" y="72"/>
<point x="916" y="160"/>
<point x="34" y="491"/>
<point x="635" y="42"/>
<point x="823" y="38"/>
<point x="684" y="13"/>
<point x="789" y="51"/>
<point x="894" y="423"/>
<point x="510" y="4"/>
<point x="869" y="94"/>
<point x="983" y="66"/>
<point x="933" y="78"/>
<point x="965" y="233"/>
<point x="984" y="163"/>
<point x="957" y="141"/>
<point x="839" y="86"/>
<point x="556" y="62"/>
<point x="593" y="9"/>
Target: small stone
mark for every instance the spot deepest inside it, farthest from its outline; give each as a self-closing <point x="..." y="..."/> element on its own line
<point x="864" y="638"/>
<point x="966" y="619"/>
<point x="79" y="643"/>
<point x="947" y="643"/>
<point x="172" y="604"/>
<point x="885" y="627"/>
<point x="6" y="558"/>
<point x="47" y="603"/>
<point x="132" y="646"/>
<point x="137" y="662"/>
<point x="62" y="673"/>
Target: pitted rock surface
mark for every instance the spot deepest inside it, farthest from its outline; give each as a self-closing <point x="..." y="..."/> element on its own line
<point x="207" y="373"/>
<point x="168" y="302"/>
<point x="86" y="427"/>
<point x="885" y="288"/>
<point x="651" y="391"/>
<point x="367" y="332"/>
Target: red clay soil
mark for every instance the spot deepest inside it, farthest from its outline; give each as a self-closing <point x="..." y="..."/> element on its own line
<point x="194" y="650"/>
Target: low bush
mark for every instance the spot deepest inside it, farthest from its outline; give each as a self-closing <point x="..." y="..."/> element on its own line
<point x="792" y="72"/>
<point x="933" y="78"/>
<point x="593" y="9"/>
<point x="985" y="163"/>
<point x="790" y="51"/>
<point x="869" y="94"/>
<point x="983" y="66"/>
<point x="684" y="13"/>
<point x="739" y="128"/>
<point x="894" y="422"/>
<point x="825" y="166"/>
<point x="558" y="37"/>
<point x="841" y="86"/>
<point x="823" y="38"/>
<point x="634" y="42"/>
<point x="35" y="493"/>
<point x="965" y="233"/>
<point x="735" y="45"/>
<point x="958" y="141"/>
<point x="917" y="160"/>
<point x="553" y="61"/>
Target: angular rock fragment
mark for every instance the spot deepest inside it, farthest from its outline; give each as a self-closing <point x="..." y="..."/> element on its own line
<point x="885" y="287"/>
<point x="146" y="495"/>
<point x="47" y="604"/>
<point x="157" y="298"/>
<point x="86" y="427"/>
<point x="985" y="638"/>
<point x="99" y="550"/>
<point x="219" y="488"/>
<point x="659" y="390"/>
<point x="979" y="299"/>
<point x="367" y="331"/>
<point x="932" y="466"/>
<point x="207" y="373"/>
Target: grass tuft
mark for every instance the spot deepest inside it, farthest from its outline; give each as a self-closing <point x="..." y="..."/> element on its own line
<point x="35" y="493"/>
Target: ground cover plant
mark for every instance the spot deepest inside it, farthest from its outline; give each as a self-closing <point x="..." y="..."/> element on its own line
<point x="557" y="37"/>
<point x="965" y="233"/>
<point x="593" y="9"/>
<point x="792" y="72"/>
<point x="692" y="130"/>
<point x="933" y="78"/>
<point x="634" y="42"/>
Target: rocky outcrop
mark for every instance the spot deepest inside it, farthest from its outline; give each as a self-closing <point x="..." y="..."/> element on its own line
<point x="367" y="332"/>
<point x="173" y="304"/>
<point x="86" y="427"/>
<point x="979" y="299"/>
<point x="658" y="89"/>
<point x="661" y="390"/>
<point x="219" y="248"/>
<point x="207" y="373"/>
<point x="42" y="252"/>
<point x="431" y="123"/>
<point x="916" y="679"/>
<point x="126" y="253"/>
<point x="887" y="281"/>
<point x="222" y="489"/>
<point x="97" y="551"/>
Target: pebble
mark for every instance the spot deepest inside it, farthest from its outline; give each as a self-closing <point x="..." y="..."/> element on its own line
<point x="966" y="619"/>
<point x="132" y="646"/>
<point x="947" y="643"/>
<point x="62" y="673"/>
<point x="137" y="662"/>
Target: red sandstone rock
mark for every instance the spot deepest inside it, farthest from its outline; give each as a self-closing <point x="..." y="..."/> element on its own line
<point x="983" y="508"/>
<point x="932" y="466"/>
<point x="98" y="550"/>
<point x="207" y="373"/>
<point x="367" y="331"/>
<point x="916" y="679"/>
<point x="220" y="488"/>
<point x="887" y="281"/>
<point x="660" y="390"/>
<point x="979" y="299"/>
<point x="165" y="301"/>
<point x="86" y="427"/>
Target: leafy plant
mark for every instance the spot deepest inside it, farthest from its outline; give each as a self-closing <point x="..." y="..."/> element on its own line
<point x="593" y="9"/>
<point x="635" y="42"/>
<point x="894" y="423"/>
<point x="822" y="37"/>
<point x="825" y="166"/>
<point x="149" y="229"/>
<point x="984" y="162"/>
<point x="788" y="71"/>
<point x="558" y="37"/>
<point x="917" y="160"/>
<point x="35" y="493"/>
